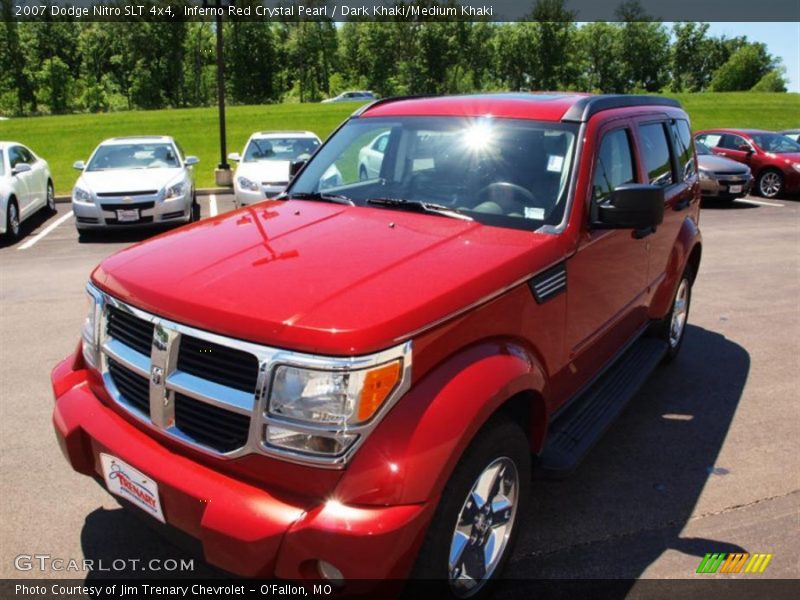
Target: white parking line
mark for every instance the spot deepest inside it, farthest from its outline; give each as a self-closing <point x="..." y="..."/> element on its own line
<point x="212" y="205"/>
<point x="45" y="231"/>
<point x="759" y="202"/>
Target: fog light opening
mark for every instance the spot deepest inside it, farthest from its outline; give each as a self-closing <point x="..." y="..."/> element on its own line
<point x="330" y="573"/>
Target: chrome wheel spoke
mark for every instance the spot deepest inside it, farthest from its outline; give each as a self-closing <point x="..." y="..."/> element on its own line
<point x="459" y="544"/>
<point x="501" y="510"/>
<point x="474" y="565"/>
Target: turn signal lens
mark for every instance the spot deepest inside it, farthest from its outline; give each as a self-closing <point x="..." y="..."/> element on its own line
<point x="378" y="384"/>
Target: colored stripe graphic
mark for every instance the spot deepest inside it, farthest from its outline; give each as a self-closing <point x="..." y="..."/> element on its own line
<point x="722" y="562"/>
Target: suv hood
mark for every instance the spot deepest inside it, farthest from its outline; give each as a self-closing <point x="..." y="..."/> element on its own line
<point x="319" y="277"/>
<point x="127" y="180"/>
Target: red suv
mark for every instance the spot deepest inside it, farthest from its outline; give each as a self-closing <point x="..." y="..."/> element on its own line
<point x="773" y="158"/>
<point x="353" y="382"/>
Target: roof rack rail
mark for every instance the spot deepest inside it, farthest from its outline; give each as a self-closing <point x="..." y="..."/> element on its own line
<point x="583" y="109"/>
<point x="362" y="109"/>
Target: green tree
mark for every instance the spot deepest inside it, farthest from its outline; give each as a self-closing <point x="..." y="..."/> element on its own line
<point x="54" y="84"/>
<point x="774" y="81"/>
<point x="644" y="49"/>
<point x="555" y="43"/>
<point x="691" y="57"/>
<point x="600" y="56"/>
<point x="744" y="68"/>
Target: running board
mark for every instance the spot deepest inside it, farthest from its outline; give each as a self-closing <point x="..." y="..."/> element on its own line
<point x="574" y="431"/>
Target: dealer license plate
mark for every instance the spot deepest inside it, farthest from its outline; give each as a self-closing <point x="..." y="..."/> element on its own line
<point x="128" y="215"/>
<point x="133" y="485"/>
<point x="734" y="189"/>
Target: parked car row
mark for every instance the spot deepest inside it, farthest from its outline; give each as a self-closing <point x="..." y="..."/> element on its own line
<point x="772" y="160"/>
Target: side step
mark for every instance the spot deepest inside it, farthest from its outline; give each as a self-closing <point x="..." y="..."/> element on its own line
<point x="575" y="430"/>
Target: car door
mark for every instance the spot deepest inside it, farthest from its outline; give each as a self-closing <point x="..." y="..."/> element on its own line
<point x="736" y="148"/>
<point x="21" y="182"/>
<point x="375" y="155"/>
<point x="667" y="161"/>
<point x="38" y="179"/>
<point x="606" y="277"/>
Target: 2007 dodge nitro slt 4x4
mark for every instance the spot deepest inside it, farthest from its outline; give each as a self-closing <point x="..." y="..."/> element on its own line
<point x="353" y="382"/>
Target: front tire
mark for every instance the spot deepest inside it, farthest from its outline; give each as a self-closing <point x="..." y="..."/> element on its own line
<point x="12" y="221"/>
<point x="476" y="524"/>
<point x="770" y="183"/>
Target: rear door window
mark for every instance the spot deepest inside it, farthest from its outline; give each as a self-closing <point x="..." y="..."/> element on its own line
<point x="656" y="153"/>
<point x="683" y="145"/>
<point x="614" y="166"/>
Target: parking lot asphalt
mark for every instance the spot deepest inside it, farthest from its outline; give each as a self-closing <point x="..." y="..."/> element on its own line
<point x="705" y="459"/>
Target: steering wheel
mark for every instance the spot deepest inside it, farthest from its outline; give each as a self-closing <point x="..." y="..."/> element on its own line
<point x="519" y="194"/>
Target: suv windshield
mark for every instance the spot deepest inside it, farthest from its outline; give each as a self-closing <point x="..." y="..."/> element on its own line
<point x="288" y="148"/>
<point x="775" y="142"/>
<point x="504" y="172"/>
<point x="134" y="156"/>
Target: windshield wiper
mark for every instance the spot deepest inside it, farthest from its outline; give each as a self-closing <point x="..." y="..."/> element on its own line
<point x="319" y="197"/>
<point x="419" y="206"/>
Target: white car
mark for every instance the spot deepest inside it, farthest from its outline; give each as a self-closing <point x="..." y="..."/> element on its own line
<point x="356" y="96"/>
<point x="134" y="181"/>
<point x="263" y="170"/>
<point x="370" y="157"/>
<point x="25" y="187"/>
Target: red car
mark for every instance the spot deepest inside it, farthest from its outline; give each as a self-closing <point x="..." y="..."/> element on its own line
<point x="353" y="383"/>
<point x="774" y="159"/>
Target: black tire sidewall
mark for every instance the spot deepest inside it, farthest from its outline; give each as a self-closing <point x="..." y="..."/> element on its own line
<point x="500" y="437"/>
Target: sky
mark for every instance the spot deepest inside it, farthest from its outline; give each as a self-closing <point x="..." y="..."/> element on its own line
<point x="782" y="40"/>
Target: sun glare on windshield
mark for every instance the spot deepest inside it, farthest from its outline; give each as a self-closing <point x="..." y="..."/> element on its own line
<point x="479" y="135"/>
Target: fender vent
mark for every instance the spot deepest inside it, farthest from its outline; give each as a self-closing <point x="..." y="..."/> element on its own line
<point x="550" y="283"/>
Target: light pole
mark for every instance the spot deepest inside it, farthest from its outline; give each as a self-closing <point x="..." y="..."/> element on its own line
<point x="222" y="174"/>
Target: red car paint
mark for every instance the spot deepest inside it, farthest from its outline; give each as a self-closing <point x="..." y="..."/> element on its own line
<point x="345" y="281"/>
<point x="758" y="158"/>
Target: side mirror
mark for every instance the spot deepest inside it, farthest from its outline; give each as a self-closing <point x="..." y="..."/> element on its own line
<point x="234" y="156"/>
<point x="191" y="161"/>
<point x="20" y="168"/>
<point x="79" y="165"/>
<point x="746" y="148"/>
<point x="631" y="206"/>
<point x="295" y="166"/>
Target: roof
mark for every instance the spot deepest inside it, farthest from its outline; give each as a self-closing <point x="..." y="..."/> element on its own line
<point x="264" y="134"/>
<point x="552" y="106"/>
<point x="137" y="138"/>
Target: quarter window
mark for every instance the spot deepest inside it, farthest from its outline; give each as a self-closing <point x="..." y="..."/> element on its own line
<point x="614" y="164"/>
<point x="656" y="153"/>
<point x="14" y="156"/>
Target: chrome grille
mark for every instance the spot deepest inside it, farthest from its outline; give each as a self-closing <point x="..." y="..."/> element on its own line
<point x="130" y="330"/>
<point x="221" y="364"/>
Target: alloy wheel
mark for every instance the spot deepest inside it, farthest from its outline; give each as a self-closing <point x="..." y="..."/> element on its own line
<point x="679" y="312"/>
<point x="51" y="199"/>
<point x="483" y="528"/>
<point x="13" y="219"/>
<point x="770" y="184"/>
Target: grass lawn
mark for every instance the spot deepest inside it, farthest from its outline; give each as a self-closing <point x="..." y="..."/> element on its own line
<point x="64" y="139"/>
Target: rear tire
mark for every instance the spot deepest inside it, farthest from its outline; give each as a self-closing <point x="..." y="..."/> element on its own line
<point x="50" y="205"/>
<point x="476" y="524"/>
<point x="13" y="226"/>
<point x="673" y="326"/>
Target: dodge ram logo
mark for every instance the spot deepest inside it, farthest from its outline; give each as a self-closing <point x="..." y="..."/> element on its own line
<point x="156" y="375"/>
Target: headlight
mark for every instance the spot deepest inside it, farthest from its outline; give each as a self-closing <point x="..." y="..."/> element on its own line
<point x="81" y="195"/>
<point x="175" y="191"/>
<point x="796" y="167"/>
<point x="246" y="184"/>
<point x="90" y="332"/>
<point x="323" y="412"/>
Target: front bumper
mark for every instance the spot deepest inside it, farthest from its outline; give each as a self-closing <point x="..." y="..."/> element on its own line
<point x="719" y="186"/>
<point x="242" y="527"/>
<point x="103" y="213"/>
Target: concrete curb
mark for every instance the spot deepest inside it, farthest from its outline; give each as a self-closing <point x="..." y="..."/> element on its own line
<point x="202" y="192"/>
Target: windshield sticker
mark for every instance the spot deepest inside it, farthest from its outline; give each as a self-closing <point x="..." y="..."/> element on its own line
<point x="555" y="163"/>
<point x="534" y="212"/>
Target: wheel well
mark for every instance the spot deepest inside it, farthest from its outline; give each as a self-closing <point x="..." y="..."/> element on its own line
<point x="13" y="198"/>
<point x="694" y="260"/>
<point x="528" y="409"/>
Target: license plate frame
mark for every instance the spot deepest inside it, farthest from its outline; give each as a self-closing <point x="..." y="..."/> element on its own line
<point x="131" y="484"/>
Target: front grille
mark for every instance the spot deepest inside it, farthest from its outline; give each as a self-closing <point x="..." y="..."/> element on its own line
<point x="220" y="364"/>
<point x="130" y="330"/>
<point x="209" y="425"/>
<point x="275" y="183"/>
<point x="172" y="215"/>
<point x="129" y="206"/>
<point x="137" y="222"/>
<point x="735" y="173"/>
<point x="132" y="194"/>
<point x="87" y="220"/>
<point x="133" y="388"/>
